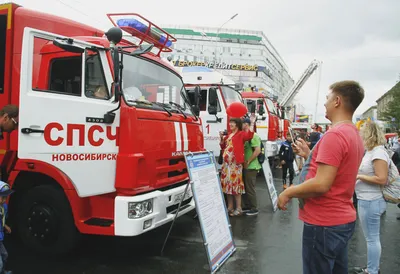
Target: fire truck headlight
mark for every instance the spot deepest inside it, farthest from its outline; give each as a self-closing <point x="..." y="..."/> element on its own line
<point x="138" y="210"/>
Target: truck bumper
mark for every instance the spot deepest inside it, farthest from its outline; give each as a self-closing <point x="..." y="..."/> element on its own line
<point x="271" y="148"/>
<point x="165" y="206"/>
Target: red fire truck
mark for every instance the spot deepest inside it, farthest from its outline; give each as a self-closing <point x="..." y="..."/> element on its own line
<point x="217" y="93"/>
<point x="273" y="118"/>
<point x="103" y="126"/>
<point x="268" y="122"/>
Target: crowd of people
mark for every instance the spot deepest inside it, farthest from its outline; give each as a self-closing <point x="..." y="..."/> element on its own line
<point x="342" y="162"/>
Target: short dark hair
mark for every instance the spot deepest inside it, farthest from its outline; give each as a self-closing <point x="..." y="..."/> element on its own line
<point x="246" y="121"/>
<point x="351" y="91"/>
<point x="238" y="122"/>
<point x="11" y="110"/>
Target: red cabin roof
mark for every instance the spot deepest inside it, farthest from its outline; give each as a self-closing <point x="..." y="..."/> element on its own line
<point x="249" y="94"/>
<point x="390" y="135"/>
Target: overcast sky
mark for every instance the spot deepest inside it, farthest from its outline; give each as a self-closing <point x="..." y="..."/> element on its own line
<point x="353" y="39"/>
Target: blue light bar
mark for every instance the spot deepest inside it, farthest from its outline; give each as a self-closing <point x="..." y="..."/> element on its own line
<point x="162" y="40"/>
<point x="133" y="23"/>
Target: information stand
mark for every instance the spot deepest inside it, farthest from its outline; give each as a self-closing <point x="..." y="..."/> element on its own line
<point x="211" y="208"/>
<point x="270" y="185"/>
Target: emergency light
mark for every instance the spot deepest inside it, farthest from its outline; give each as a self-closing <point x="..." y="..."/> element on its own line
<point x="144" y="30"/>
<point x="133" y="23"/>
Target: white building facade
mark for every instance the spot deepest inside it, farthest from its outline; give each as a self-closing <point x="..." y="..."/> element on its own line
<point x="244" y="56"/>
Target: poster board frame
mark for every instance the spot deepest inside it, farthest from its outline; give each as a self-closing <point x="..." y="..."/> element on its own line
<point x="227" y="251"/>
<point x="269" y="180"/>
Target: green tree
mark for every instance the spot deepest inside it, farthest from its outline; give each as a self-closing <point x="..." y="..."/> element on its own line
<point x="393" y="107"/>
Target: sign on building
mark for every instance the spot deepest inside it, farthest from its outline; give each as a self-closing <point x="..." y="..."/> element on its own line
<point x="212" y="65"/>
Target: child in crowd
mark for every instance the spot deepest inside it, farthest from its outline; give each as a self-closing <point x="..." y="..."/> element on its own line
<point x="5" y="191"/>
<point x="287" y="157"/>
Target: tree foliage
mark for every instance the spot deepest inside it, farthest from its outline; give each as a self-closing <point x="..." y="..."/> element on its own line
<point x="393" y="107"/>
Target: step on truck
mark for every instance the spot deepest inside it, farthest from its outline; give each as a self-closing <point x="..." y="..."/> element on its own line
<point x="103" y="127"/>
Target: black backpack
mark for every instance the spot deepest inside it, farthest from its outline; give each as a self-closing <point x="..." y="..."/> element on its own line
<point x="314" y="137"/>
<point x="261" y="156"/>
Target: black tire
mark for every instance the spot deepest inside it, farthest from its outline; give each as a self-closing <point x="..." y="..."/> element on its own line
<point x="44" y="221"/>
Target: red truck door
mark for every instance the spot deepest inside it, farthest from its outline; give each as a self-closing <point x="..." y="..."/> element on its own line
<point x="6" y="50"/>
<point x="61" y="110"/>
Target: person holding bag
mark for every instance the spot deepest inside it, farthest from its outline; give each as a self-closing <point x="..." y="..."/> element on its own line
<point x="372" y="177"/>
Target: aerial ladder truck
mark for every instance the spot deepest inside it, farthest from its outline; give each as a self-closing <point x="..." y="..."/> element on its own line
<point x="284" y="105"/>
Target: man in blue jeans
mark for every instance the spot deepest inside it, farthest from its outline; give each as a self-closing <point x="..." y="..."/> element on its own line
<point x="327" y="183"/>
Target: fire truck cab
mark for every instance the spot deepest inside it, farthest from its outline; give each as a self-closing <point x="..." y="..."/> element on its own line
<point x="217" y="92"/>
<point x="267" y="120"/>
<point x="103" y="126"/>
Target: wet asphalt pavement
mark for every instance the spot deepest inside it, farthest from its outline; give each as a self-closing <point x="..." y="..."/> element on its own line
<point x="267" y="243"/>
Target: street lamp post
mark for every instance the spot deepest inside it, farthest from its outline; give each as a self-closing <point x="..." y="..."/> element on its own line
<point x="217" y="36"/>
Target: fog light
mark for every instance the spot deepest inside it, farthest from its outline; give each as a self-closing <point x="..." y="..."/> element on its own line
<point x="138" y="210"/>
<point x="147" y="224"/>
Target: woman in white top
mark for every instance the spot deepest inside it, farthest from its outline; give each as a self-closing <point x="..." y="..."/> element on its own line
<point x="372" y="176"/>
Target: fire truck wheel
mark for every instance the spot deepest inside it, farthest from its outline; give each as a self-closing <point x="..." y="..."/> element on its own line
<point x="45" y="221"/>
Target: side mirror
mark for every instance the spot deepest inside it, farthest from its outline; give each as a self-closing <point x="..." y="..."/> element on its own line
<point x="212" y="110"/>
<point x="212" y="101"/>
<point x="142" y="49"/>
<point x="253" y="107"/>
<point x="239" y="86"/>
<point x="212" y="97"/>
<point x="196" y="101"/>
<point x="261" y="110"/>
<point x="109" y="117"/>
<point x="114" y="35"/>
<point x="196" y="110"/>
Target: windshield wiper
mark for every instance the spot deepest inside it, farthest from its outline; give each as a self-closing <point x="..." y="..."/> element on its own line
<point x="179" y="108"/>
<point x="152" y="103"/>
<point x="163" y="107"/>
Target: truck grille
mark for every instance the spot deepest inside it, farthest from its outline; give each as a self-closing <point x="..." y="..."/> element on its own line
<point x="174" y="173"/>
<point x="173" y="209"/>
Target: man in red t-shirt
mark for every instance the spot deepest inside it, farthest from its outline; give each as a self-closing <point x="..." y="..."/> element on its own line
<point x="327" y="182"/>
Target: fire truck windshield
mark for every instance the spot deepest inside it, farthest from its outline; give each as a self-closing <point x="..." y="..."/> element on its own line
<point x="144" y="80"/>
<point x="230" y="95"/>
